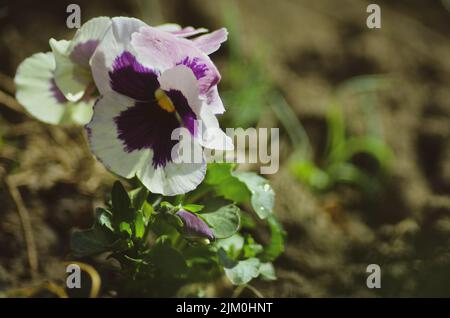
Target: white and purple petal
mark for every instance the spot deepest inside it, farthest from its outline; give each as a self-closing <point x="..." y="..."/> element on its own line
<point x="72" y="72"/>
<point x="182" y="79"/>
<point x="104" y="137"/>
<point x="115" y="42"/>
<point x="173" y="178"/>
<point x="213" y="100"/>
<point x="161" y="51"/>
<point x="177" y="30"/>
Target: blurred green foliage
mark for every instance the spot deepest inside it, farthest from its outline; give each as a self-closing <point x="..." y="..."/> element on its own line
<point x="341" y="149"/>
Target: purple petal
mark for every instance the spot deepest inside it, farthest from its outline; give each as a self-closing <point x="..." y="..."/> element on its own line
<point x="194" y="226"/>
<point x="189" y="31"/>
<point x="209" y="43"/>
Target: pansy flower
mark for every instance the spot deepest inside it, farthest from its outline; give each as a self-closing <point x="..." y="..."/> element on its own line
<point x="153" y="82"/>
<point x="57" y="87"/>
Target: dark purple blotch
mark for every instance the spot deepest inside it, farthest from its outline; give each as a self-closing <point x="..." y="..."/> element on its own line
<point x="145" y="125"/>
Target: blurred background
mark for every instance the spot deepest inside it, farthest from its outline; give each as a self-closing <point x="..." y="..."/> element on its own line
<point x="364" y="118"/>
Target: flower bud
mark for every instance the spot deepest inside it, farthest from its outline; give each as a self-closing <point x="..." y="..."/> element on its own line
<point x="194" y="227"/>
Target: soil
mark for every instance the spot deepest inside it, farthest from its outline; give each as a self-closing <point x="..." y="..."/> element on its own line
<point x="312" y="48"/>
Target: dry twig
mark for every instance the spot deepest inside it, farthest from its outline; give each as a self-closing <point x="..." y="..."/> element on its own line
<point x="25" y="221"/>
<point x="10" y="102"/>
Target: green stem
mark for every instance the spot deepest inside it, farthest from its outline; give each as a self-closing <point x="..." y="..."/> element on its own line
<point x="150" y="221"/>
<point x="200" y="193"/>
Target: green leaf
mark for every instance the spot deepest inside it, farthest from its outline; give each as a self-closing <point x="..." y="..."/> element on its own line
<point x="147" y="210"/>
<point x="276" y="245"/>
<point x="242" y="187"/>
<point x="309" y="173"/>
<point x="164" y="240"/>
<point x="138" y="197"/>
<point x="239" y="272"/>
<point x="139" y="225"/>
<point x="247" y="221"/>
<point x="336" y="132"/>
<point x="167" y="259"/>
<point x="103" y="217"/>
<point x="121" y="203"/>
<point x="174" y="220"/>
<point x="372" y="146"/>
<point x="218" y="172"/>
<point x="90" y="242"/>
<point x="125" y="227"/>
<point x="262" y="194"/>
<point x="220" y="176"/>
<point x="224" y="222"/>
<point x="167" y="205"/>
<point x="193" y="207"/>
<point x="267" y="271"/>
<point x="251" y="248"/>
<point x="232" y="245"/>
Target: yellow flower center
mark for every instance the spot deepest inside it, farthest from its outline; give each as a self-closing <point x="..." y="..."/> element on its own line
<point x="164" y="101"/>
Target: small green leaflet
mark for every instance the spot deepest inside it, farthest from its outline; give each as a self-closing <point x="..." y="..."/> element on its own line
<point x="225" y="184"/>
<point x="91" y="242"/>
<point x="239" y="272"/>
<point x="262" y="194"/>
<point x="242" y="187"/>
<point x="103" y="217"/>
<point x="224" y="222"/>
<point x="193" y="207"/>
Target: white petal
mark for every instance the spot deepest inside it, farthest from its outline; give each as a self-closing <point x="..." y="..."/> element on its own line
<point x="188" y="32"/>
<point x="82" y="112"/>
<point x="169" y="27"/>
<point x="173" y="178"/>
<point x="212" y="98"/>
<point x="104" y="141"/>
<point x="213" y="137"/>
<point x="70" y="78"/>
<point x="116" y="40"/>
<point x="93" y="29"/>
<point x="177" y="30"/>
<point x="34" y="81"/>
